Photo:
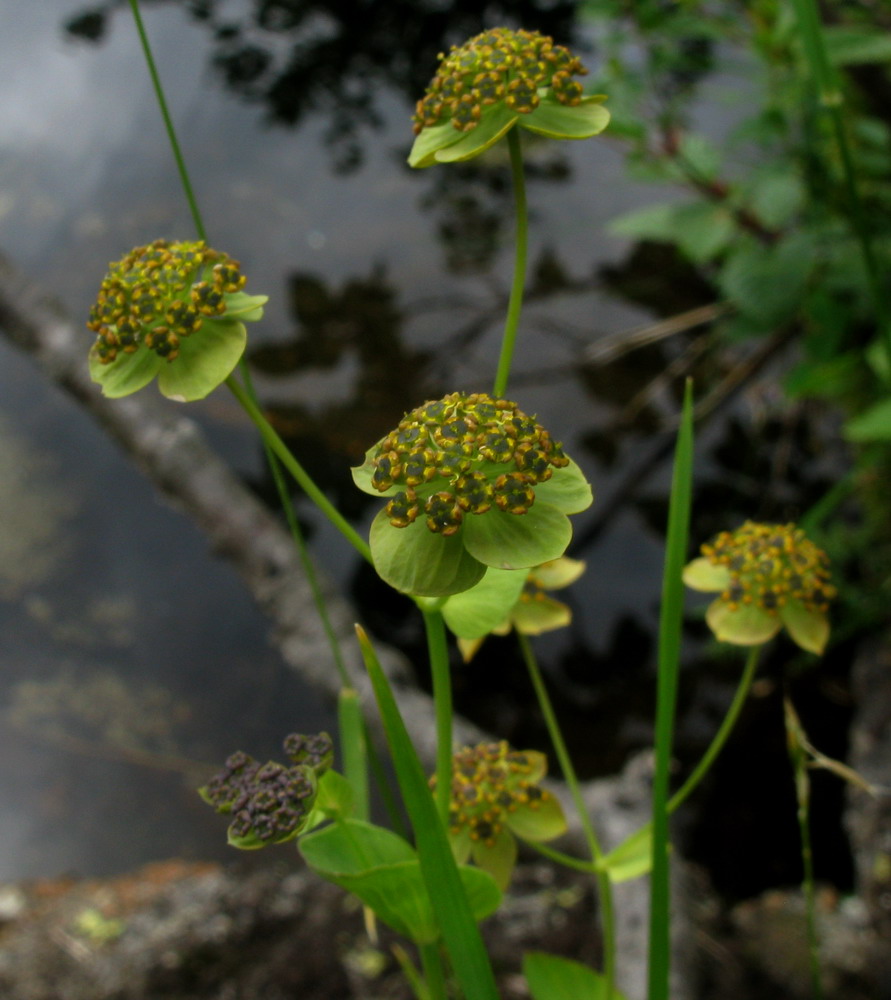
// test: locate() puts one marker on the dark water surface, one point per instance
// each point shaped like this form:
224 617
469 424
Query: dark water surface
123 643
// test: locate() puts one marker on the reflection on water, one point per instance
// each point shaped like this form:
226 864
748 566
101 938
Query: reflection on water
388 287
33 512
298 58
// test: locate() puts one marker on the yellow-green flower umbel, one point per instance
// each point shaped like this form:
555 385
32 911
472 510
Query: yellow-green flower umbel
495 81
768 577
473 483
175 310
495 799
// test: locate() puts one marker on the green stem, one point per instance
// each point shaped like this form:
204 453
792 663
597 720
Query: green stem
442 701
720 738
604 886
431 960
561 858
302 477
168 122
516 292
807 859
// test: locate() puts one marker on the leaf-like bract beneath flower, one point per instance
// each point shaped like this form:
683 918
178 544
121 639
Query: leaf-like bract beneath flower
809 629
745 625
494 124
418 561
567 490
473 613
206 359
518 541
702 574
561 121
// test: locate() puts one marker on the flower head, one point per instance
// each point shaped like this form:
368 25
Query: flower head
175 310
270 803
495 798
473 482
495 81
769 576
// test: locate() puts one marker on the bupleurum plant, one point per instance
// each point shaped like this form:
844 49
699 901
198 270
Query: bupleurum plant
495 798
473 483
768 577
498 80
270 803
172 310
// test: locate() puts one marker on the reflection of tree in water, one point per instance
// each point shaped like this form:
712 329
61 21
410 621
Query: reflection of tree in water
297 57
359 324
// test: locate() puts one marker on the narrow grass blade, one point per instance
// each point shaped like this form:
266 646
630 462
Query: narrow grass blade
669 664
460 933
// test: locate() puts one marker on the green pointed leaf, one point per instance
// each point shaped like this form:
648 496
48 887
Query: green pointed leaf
562 121
873 425
809 629
206 359
744 625
631 859
652 222
429 141
417 561
704 575
475 612
767 283
128 373
567 490
518 541
857 45
551 977
703 229
495 123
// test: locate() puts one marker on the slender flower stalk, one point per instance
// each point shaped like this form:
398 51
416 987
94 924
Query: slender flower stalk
515 304
168 122
604 886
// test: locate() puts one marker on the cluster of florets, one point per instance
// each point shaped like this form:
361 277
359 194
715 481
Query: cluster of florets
158 294
490 782
770 565
270 802
460 455
513 67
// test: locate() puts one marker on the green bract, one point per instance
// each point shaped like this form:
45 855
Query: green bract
768 576
175 310
495 798
496 80
506 599
473 483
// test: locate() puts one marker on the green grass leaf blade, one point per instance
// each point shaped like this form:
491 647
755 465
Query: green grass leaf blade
669 664
450 905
